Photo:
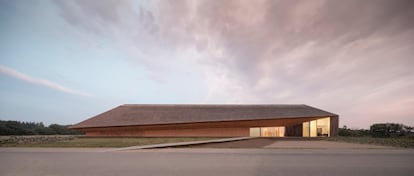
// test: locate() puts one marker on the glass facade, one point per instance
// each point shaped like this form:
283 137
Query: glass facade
312 129
268 132
305 129
255 132
323 127
316 128
272 131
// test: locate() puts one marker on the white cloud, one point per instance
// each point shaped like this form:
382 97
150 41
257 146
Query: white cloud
349 57
40 81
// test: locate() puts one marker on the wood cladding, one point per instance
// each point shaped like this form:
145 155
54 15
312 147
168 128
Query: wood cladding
206 129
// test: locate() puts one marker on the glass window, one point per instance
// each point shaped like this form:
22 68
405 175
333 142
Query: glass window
313 129
323 127
272 131
305 129
255 132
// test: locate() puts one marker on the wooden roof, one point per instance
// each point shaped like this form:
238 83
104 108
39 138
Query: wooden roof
142 114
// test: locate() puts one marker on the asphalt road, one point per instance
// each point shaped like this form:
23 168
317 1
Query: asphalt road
199 162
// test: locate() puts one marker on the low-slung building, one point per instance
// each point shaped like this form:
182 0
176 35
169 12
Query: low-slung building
211 121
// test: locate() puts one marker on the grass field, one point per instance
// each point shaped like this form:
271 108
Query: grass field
105 142
405 142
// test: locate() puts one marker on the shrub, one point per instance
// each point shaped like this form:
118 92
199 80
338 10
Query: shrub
33 128
353 132
389 130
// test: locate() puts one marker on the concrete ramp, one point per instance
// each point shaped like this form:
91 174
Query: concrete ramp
178 144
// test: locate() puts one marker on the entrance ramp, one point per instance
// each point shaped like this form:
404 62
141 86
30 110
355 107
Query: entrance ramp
177 144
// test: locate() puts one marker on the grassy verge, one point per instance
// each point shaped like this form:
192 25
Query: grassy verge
106 142
405 142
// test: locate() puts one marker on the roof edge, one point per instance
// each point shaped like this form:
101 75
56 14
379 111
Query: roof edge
322 110
74 126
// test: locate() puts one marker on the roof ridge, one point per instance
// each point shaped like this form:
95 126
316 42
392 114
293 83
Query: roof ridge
212 104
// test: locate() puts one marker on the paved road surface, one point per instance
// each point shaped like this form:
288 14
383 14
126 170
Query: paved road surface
289 143
199 162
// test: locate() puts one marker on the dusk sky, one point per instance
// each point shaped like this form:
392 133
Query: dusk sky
63 61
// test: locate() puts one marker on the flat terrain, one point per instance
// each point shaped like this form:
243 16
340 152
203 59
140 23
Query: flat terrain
321 145
115 142
405 142
289 143
202 161
105 142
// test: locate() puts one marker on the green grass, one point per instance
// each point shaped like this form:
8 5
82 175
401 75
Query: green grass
405 142
106 142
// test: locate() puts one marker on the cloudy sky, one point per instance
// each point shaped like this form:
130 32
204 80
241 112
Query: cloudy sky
63 61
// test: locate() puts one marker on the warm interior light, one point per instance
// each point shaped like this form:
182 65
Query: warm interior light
272 131
314 128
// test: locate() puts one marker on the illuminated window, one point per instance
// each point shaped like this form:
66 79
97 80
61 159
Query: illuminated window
272 131
305 129
255 132
323 127
314 128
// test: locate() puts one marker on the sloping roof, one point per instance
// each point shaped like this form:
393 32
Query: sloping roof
141 114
